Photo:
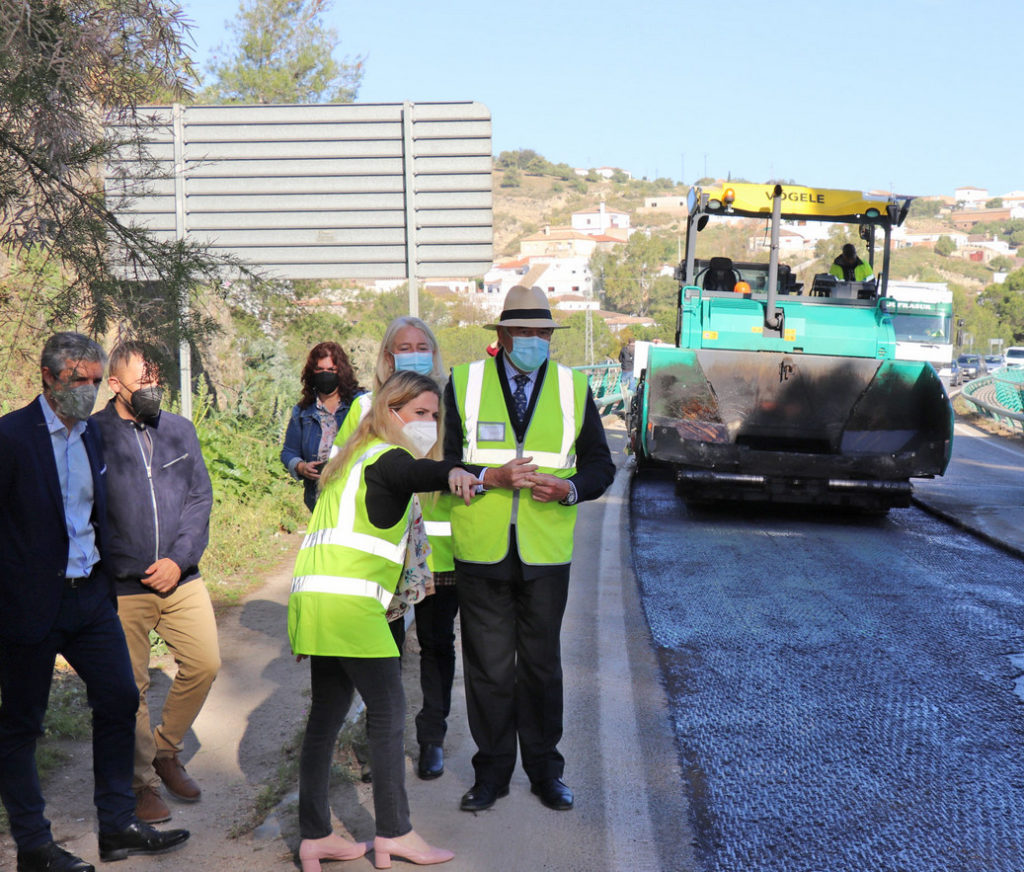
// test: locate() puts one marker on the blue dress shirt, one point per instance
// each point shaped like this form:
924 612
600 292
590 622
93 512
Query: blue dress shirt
76 488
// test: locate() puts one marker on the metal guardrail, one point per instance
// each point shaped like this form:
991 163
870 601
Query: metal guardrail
988 393
1010 389
611 394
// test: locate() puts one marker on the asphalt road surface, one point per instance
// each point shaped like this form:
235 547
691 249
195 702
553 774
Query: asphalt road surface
842 690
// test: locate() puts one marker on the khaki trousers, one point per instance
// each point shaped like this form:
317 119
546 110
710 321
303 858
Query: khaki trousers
184 620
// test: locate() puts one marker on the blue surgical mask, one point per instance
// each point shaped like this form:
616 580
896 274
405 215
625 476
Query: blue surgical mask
529 352
415 361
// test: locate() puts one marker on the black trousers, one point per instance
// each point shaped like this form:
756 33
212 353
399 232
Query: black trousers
379 682
89 635
511 628
435 629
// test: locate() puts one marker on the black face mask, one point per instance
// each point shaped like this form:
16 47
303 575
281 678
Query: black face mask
325 382
145 402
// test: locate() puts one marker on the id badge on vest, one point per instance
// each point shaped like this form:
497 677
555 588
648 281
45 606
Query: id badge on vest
490 431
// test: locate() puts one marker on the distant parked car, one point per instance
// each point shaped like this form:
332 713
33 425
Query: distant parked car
971 366
951 374
993 362
1014 357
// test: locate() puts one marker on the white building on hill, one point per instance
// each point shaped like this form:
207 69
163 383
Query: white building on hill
669 204
558 242
600 221
573 303
971 197
554 275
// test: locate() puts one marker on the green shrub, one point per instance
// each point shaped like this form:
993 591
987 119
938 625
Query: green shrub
255 502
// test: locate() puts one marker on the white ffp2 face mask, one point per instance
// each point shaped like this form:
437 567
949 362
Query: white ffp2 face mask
421 435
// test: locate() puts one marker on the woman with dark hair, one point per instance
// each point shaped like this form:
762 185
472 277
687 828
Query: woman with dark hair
328 389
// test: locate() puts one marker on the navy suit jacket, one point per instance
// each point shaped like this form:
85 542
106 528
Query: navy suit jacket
34 540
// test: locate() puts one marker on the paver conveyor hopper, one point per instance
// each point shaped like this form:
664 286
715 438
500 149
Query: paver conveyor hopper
776 392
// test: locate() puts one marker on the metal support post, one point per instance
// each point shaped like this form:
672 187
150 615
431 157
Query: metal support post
184 350
409 165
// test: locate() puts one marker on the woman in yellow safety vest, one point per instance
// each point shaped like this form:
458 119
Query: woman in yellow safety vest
409 344
348 570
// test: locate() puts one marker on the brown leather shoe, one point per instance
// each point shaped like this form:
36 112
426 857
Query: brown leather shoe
150 806
178 782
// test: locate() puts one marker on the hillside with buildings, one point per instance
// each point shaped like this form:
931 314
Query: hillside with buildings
546 233
553 229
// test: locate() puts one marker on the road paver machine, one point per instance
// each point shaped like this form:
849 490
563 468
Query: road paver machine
778 392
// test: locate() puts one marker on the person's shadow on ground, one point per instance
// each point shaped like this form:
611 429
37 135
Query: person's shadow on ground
283 714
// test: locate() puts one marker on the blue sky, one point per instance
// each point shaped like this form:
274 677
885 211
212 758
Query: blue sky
916 96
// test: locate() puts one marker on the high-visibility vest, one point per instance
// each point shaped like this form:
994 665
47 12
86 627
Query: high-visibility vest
435 511
358 410
861 272
437 524
544 531
347 570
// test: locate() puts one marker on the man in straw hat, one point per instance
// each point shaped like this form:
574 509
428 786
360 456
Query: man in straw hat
529 429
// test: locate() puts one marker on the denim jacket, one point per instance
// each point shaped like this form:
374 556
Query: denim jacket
302 442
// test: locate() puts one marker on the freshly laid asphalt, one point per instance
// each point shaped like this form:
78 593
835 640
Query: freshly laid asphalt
841 688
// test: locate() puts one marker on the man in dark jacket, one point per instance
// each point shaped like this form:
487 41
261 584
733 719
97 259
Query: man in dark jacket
159 501
56 597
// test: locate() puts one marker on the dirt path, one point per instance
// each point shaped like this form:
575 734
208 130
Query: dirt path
256 706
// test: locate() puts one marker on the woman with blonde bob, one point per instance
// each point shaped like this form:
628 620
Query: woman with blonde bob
363 539
409 345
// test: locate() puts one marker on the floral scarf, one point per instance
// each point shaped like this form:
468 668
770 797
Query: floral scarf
417 580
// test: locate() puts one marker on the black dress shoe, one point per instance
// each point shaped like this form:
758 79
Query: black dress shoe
52 858
140 838
431 763
553 793
482 796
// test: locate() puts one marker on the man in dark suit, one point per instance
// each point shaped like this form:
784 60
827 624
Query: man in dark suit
529 429
56 598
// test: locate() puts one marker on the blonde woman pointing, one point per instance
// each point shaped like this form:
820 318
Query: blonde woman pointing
348 569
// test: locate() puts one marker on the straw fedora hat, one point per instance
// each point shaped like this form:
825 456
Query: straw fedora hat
526 307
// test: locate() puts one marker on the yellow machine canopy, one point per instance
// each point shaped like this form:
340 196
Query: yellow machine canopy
818 204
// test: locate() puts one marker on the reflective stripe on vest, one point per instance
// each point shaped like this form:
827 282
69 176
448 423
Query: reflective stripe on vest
355 414
344 586
437 511
498 456
347 537
344 534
